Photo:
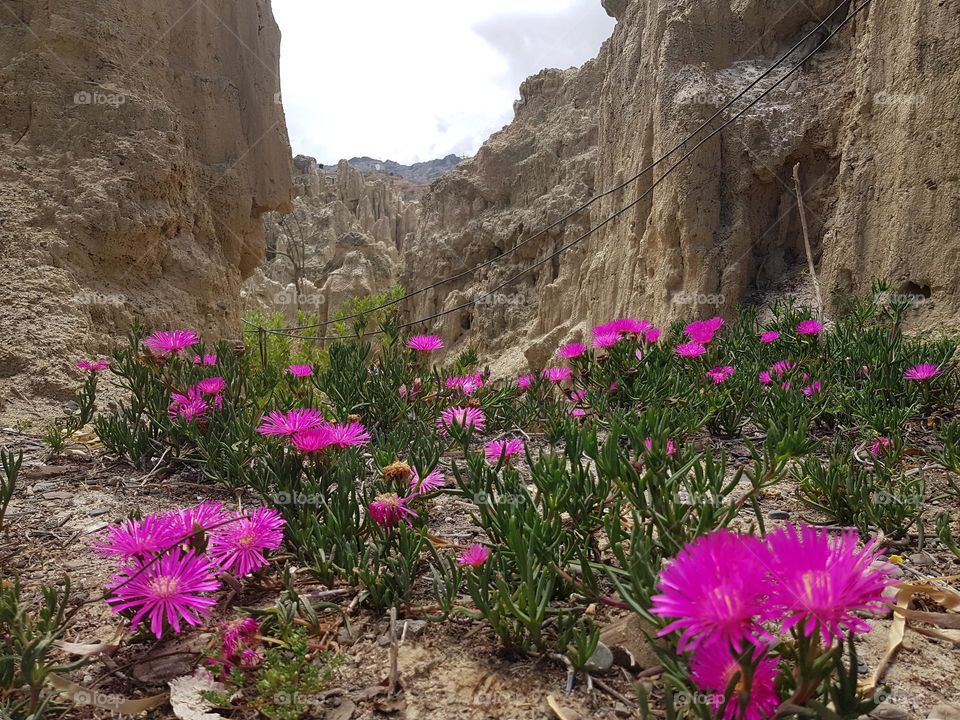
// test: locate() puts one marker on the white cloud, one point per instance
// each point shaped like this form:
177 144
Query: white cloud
419 79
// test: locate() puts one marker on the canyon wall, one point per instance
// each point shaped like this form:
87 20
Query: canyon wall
872 121
342 240
140 143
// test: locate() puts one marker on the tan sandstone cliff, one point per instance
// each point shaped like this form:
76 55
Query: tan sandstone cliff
342 240
140 144
872 120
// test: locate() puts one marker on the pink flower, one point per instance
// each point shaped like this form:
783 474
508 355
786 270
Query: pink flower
690 350
713 668
498 450
557 374
577 412
184 522
425 343
670 448
188 407
782 367
312 440
474 555
389 509
606 340
239 546
208 360
652 335
715 589
765 377
434 480
93 366
289 423
808 327
769 336
466 384
346 435
923 371
167 590
820 580
133 539
702 331
300 371
812 388
719 374
638 353
171 341
571 350
470 418
630 326
212 385
879 446
525 381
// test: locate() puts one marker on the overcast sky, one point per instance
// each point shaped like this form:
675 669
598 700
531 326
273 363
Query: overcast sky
419 79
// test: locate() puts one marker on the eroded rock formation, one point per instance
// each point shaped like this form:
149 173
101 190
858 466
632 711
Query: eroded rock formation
341 241
140 145
872 120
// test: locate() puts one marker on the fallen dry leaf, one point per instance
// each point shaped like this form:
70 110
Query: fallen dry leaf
185 697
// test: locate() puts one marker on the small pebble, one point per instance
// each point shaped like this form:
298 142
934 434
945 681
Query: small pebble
779 515
921 559
601 660
97 512
886 711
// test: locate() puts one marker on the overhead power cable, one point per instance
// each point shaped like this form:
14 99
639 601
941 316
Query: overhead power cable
606 221
291 331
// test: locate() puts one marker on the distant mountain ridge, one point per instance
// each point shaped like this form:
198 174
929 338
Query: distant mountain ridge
418 172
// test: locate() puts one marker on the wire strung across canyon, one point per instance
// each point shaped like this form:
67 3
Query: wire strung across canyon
293 331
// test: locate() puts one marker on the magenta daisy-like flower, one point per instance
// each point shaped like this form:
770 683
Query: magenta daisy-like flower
923 371
239 546
314 440
425 343
690 350
164 342
813 388
557 374
720 374
168 590
389 509
470 418
93 366
278 422
765 377
571 350
434 480
629 326
208 360
808 327
466 384
300 371
188 407
702 331
782 367
652 335
474 555
819 581
715 589
578 412
712 669
606 340
183 522
351 434
769 336
670 448
212 385
497 450
879 446
133 539
525 381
